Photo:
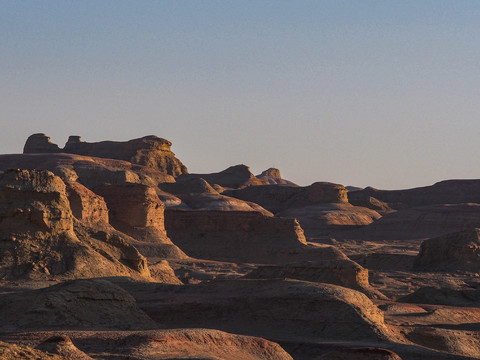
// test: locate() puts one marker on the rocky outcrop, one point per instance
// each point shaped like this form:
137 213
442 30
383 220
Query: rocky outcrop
307 311
76 304
241 236
40 237
40 143
192 344
457 251
235 177
276 198
62 345
150 151
89 171
87 206
372 203
197 194
10 351
272 176
136 210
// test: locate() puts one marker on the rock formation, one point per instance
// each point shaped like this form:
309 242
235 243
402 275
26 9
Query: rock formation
272 176
39 237
305 310
235 177
150 151
62 345
360 354
136 210
457 251
241 236
21 352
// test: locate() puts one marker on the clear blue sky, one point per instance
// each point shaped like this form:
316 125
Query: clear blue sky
381 93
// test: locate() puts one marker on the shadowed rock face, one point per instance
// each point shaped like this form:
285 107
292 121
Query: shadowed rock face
360 354
150 151
457 251
62 345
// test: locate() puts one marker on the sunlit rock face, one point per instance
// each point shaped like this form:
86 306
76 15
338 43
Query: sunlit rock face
150 151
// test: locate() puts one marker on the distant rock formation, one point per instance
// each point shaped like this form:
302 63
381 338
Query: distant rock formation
235 177
320 208
150 151
457 251
62 345
443 192
272 176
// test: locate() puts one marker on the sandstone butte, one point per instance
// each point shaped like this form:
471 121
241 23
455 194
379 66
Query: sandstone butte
113 250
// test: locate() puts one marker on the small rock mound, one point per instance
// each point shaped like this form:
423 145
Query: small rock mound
457 251
62 345
75 304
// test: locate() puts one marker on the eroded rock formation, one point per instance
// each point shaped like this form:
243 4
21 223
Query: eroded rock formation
150 151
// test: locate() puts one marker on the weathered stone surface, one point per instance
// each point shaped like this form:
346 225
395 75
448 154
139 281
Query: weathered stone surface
40 237
87 170
87 206
192 344
443 296
10 351
197 194
272 176
136 210
75 304
241 236
372 203
150 151
235 177
457 251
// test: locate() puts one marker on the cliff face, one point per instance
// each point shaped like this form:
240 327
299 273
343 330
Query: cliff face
150 151
40 236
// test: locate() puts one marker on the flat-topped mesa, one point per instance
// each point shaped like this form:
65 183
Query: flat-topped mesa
150 151
40 143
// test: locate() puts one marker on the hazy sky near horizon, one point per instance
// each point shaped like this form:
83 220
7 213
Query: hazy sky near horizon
380 93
